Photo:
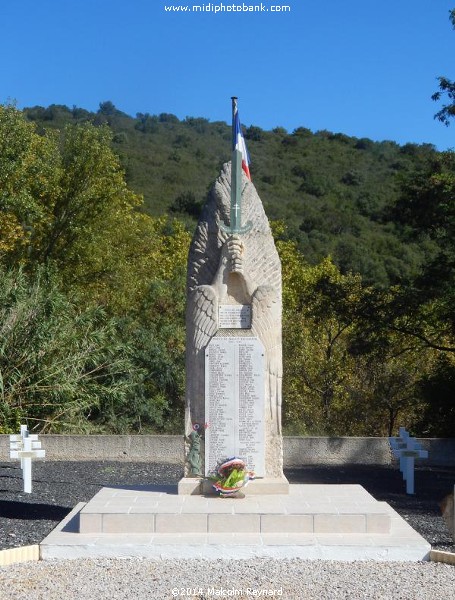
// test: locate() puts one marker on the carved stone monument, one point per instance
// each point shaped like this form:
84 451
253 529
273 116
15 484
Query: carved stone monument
233 349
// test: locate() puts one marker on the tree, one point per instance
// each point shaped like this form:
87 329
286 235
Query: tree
387 376
107 108
29 182
426 209
59 192
437 418
347 369
321 359
446 88
64 200
66 210
91 189
186 203
320 311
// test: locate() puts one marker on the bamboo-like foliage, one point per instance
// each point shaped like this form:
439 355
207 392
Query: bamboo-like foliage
58 364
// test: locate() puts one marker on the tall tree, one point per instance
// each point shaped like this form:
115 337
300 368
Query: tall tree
29 183
446 88
65 209
348 369
426 209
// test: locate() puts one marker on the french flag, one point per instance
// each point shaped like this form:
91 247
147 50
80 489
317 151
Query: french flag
239 141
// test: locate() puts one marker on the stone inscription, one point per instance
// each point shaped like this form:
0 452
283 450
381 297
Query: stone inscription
234 402
234 316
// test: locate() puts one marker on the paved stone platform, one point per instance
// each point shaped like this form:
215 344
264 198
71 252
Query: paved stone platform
306 509
339 522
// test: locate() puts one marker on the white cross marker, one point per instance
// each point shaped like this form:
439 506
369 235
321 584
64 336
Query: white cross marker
26 447
407 449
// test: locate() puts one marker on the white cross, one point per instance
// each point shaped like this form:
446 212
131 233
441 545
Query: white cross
407 449
26 447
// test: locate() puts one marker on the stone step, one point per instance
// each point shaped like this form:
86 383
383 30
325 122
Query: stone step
319 509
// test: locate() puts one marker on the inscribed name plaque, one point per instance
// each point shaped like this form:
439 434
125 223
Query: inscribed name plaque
234 402
234 316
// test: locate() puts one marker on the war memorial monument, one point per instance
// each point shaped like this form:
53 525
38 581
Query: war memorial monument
233 411
233 350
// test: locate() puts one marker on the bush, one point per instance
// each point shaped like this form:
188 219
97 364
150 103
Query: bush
57 364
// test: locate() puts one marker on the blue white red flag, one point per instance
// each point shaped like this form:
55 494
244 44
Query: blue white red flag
239 142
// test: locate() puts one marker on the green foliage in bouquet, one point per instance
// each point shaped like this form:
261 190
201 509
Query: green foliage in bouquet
234 479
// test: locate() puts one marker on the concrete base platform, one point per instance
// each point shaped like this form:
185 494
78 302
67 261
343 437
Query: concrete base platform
338 522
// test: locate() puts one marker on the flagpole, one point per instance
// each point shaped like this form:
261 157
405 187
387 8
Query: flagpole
234 109
235 226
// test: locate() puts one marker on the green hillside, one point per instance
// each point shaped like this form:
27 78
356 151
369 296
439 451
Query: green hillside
333 192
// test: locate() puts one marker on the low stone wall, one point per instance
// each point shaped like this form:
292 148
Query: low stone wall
150 448
336 451
441 451
361 451
298 451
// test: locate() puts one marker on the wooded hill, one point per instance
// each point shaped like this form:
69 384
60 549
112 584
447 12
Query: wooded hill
334 193
96 216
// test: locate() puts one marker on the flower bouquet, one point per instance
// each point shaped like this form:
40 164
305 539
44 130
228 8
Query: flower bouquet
230 476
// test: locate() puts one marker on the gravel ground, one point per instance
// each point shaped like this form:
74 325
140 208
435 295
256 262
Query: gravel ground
284 579
58 486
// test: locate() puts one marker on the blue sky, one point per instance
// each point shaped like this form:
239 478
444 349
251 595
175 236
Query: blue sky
362 67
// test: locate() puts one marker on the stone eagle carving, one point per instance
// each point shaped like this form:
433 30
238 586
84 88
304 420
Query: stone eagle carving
227 268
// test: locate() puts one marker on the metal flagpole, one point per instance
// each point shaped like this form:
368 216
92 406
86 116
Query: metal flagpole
236 183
